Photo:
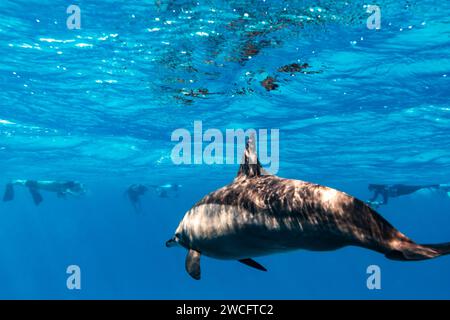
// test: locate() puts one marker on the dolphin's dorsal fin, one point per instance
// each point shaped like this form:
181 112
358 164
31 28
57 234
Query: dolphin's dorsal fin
250 165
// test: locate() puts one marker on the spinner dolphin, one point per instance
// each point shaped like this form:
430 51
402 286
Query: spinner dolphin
260 214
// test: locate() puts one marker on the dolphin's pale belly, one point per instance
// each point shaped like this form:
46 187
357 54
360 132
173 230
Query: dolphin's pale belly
231 232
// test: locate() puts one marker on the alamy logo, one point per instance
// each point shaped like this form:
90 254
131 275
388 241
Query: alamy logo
74 20
374 280
190 148
374 20
74 280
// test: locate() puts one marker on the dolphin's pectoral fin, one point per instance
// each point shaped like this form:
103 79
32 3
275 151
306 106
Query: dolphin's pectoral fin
252 263
9 192
250 166
193 264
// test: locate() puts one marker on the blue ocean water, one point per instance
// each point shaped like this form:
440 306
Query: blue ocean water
99 105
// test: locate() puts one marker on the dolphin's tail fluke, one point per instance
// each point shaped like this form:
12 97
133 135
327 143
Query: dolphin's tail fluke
410 251
441 248
9 192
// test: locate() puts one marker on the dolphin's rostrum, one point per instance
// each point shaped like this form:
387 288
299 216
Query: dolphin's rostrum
260 214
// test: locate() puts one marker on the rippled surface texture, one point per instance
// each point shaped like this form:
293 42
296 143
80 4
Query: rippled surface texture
99 105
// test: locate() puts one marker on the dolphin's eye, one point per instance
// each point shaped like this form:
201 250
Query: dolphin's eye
177 235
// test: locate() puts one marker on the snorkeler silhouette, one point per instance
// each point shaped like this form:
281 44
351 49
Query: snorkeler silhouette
136 191
61 188
397 190
166 190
